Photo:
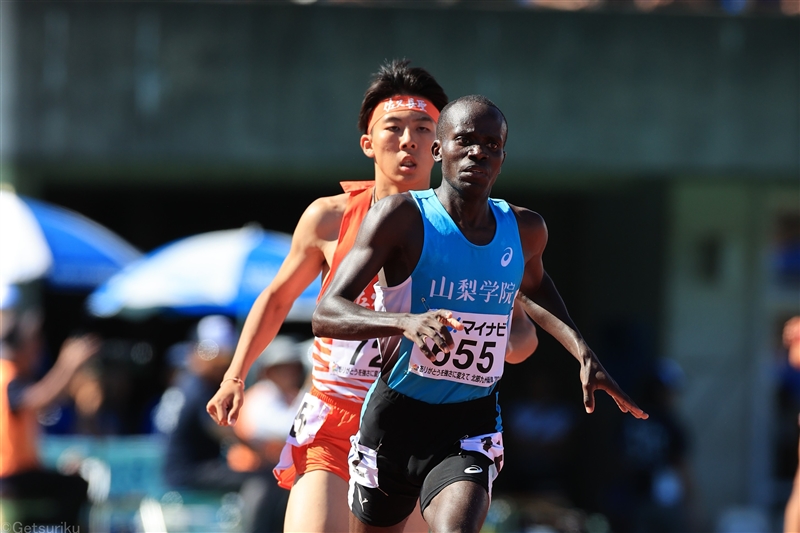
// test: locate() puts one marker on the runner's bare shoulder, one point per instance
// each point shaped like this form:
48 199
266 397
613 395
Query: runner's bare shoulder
532 230
321 220
528 220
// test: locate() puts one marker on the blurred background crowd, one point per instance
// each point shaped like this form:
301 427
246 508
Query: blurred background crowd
154 158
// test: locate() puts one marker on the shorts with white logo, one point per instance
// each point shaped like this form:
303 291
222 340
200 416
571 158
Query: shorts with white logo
407 449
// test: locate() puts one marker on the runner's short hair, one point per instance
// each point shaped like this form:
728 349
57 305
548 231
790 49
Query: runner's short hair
470 98
395 78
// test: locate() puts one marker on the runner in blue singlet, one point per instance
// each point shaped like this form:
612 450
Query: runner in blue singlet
450 263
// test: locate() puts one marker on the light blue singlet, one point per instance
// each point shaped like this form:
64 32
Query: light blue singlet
477 283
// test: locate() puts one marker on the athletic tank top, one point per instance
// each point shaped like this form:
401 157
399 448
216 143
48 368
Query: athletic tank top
346 369
478 284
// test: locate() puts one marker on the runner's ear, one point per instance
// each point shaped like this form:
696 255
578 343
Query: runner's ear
366 146
436 150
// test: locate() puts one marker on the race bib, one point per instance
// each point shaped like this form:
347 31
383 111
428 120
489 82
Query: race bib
363 463
355 359
309 419
479 355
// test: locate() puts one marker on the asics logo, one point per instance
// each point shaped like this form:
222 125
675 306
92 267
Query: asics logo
506 259
474 469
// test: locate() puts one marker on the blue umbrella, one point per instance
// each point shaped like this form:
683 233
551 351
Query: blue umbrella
219 272
67 249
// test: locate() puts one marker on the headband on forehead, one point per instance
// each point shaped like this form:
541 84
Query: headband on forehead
402 103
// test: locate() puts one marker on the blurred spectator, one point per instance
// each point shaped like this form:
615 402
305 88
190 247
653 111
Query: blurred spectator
194 451
53 497
787 403
164 415
85 409
790 7
788 369
563 5
267 414
653 493
195 458
92 415
791 339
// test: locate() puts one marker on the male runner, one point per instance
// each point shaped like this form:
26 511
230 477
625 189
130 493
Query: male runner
451 261
398 121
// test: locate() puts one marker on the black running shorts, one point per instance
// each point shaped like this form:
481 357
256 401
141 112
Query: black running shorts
408 449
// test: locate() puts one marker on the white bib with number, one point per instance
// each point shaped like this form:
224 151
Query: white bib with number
309 419
355 359
478 357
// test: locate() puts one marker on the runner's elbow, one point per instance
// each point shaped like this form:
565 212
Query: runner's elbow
322 321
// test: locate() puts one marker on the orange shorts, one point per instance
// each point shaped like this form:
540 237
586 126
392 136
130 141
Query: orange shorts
330 447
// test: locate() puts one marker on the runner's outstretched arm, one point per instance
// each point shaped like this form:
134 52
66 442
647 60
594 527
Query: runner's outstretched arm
543 303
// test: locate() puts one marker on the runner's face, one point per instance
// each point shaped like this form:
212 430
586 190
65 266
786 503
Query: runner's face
471 149
400 143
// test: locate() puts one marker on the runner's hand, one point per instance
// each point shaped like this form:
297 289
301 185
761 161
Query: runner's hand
225 405
432 325
594 377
